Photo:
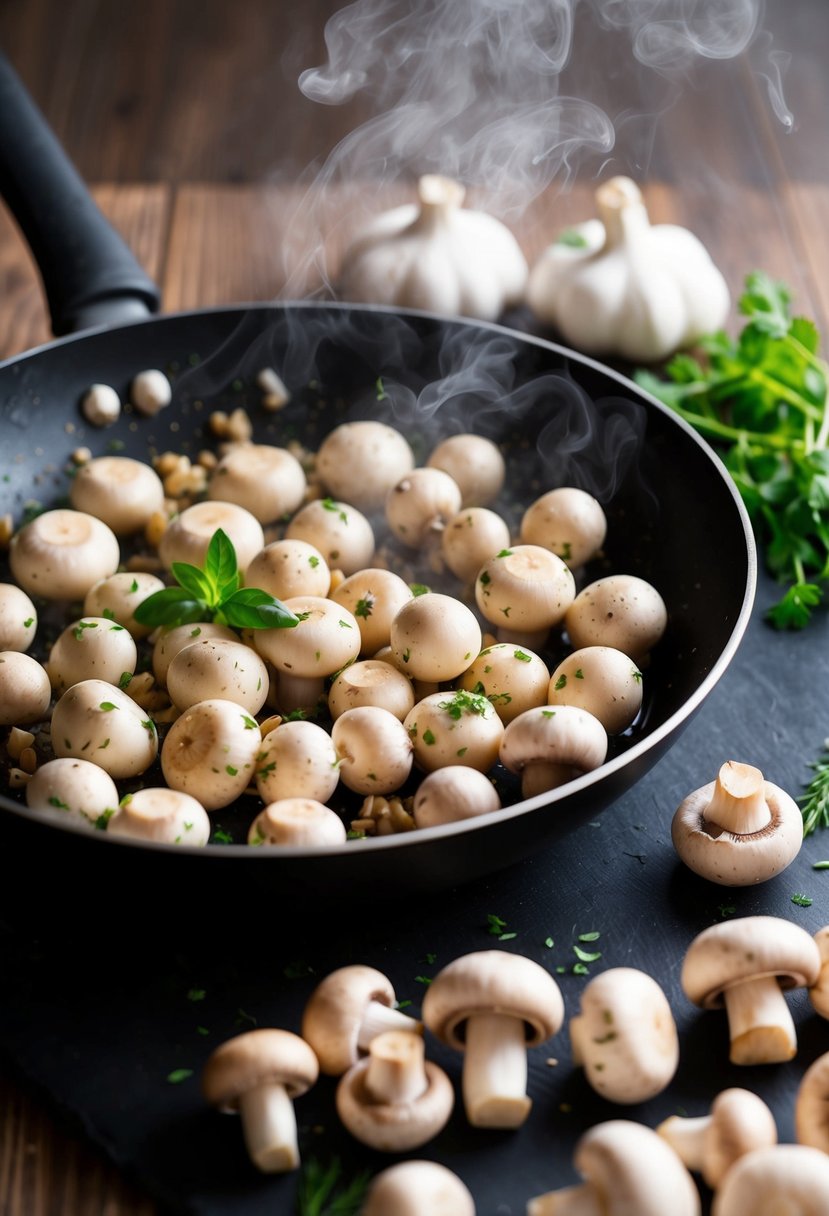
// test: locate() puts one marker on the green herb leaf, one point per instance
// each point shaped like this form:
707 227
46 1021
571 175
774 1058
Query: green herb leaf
194 580
172 606
802 901
220 565
572 238
322 1190
178 1075
251 608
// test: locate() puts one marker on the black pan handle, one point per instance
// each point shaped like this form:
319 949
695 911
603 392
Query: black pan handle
89 274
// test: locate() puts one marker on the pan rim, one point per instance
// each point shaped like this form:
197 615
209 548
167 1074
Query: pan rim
581 784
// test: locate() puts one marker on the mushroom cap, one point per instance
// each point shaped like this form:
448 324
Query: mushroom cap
287 568
812 1105
419 505
524 588
60 554
267 481
371 682
475 463
434 637
259 1057
210 752
418 1188
819 992
374 597
737 859
454 728
621 611
189 535
25 691
602 680
561 736
297 822
119 595
18 618
568 521
123 492
750 947
395 1127
493 981
513 678
470 538
635 1172
789 1178
740 1122
628 1040
76 791
361 461
296 760
374 750
161 814
170 641
450 794
335 1010
326 638
341 533
91 648
94 720
215 667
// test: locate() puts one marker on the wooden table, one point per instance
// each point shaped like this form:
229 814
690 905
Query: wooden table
722 166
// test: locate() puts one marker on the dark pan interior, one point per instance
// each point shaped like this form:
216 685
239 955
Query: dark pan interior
673 518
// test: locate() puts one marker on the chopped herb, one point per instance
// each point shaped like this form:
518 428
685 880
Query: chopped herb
242 1018
637 675
27 624
59 803
572 238
102 746
423 979
107 706
580 969
222 836
407 654
578 673
194 633
802 901
313 561
178 1075
431 959
821 865
196 994
463 702
484 579
345 625
504 553
104 818
461 751
330 505
587 956
726 910
496 927
382 395
297 970
266 769
419 589
149 725
589 937
202 1030
549 943
365 607
522 656
428 738
126 677
109 615
250 723
81 625
231 771
561 682
352 835
322 1191
134 586
548 713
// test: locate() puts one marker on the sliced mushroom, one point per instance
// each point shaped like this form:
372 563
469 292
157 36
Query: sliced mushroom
739 829
744 964
346 1011
739 1123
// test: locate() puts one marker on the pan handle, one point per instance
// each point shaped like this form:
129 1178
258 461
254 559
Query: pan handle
89 274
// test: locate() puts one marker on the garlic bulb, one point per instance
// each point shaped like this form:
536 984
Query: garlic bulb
620 286
436 256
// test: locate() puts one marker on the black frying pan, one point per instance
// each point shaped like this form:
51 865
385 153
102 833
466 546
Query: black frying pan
674 516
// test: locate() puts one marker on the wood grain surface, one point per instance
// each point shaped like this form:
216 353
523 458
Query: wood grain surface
186 118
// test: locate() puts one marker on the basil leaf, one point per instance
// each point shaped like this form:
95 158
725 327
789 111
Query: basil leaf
193 580
252 608
172 606
221 567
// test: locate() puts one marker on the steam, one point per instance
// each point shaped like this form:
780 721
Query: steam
510 97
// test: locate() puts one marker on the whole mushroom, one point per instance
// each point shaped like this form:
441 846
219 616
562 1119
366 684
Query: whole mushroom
739 1123
811 1105
74 791
162 815
266 481
373 748
819 991
524 589
549 747
745 964
210 752
297 822
417 1188
94 720
18 618
122 492
420 505
170 641
325 640
625 1036
470 538
25 691
568 522
60 554
340 532
372 682
787 1178
118 596
258 1075
474 463
359 462
288 568
628 1171
454 728
449 795
434 637
211 668
188 536
493 1005
297 760
346 1011
739 829
621 611
91 648
373 597
513 678
601 680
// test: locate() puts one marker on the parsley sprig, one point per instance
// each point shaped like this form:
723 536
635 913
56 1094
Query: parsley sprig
814 804
213 592
317 1186
762 399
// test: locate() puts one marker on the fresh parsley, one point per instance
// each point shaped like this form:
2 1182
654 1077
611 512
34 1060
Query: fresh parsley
322 1190
763 400
814 804
213 592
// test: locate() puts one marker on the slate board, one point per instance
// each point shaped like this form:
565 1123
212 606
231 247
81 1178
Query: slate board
97 1017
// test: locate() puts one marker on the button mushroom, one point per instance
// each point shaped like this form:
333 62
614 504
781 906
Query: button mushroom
96 721
75 791
118 596
25 691
170 641
348 1009
739 1123
524 589
373 748
493 1006
549 747
91 648
621 611
811 1104
373 597
420 505
150 391
454 728
210 752
124 493
214 668
625 1036
819 991
60 554
395 1100
372 682
449 795
629 1171
417 1188
788 1178
512 678
601 680
470 538
739 829
258 1075
190 533
297 760
475 463
325 640
342 534
568 522
165 816
434 637
267 481
298 822
18 618
744 964
361 461
288 568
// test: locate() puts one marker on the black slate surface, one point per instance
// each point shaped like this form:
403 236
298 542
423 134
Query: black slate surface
97 1016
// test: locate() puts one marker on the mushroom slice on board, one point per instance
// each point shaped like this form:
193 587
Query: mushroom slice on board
811 1111
788 1178
493 1006
348 1009
258 1075
625 1036
739 829
628 1171
739 1122
744 964
417 1188
395 1100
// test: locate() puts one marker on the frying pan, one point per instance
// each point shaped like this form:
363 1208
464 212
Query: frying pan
674 516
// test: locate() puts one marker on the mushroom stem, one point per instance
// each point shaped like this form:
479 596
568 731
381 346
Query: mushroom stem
269 1126
686 1137
738 803
581 1200
759 1022
378 1018
396 1073
495 1071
